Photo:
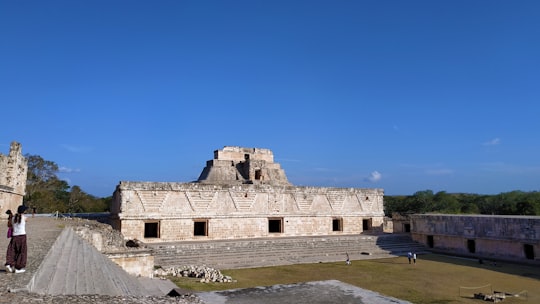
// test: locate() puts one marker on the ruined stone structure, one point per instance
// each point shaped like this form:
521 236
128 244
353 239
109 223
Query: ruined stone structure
13 169
401 223
241 193
481 236
236 165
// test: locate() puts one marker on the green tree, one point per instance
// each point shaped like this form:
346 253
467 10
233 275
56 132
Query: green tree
393 204
44 191
98 204
76 199
469 208
47 193
445 203
525 208
41 174
422 201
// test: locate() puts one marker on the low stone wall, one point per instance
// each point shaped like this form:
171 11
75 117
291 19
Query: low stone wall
138 263
137 260
504 237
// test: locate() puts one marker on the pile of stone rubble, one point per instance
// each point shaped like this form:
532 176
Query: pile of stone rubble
206 274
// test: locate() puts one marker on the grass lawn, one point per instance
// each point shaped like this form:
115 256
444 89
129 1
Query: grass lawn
434 279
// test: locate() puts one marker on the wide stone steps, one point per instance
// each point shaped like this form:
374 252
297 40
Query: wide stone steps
73 266
227 254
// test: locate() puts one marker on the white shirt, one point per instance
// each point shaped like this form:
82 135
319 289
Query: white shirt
19 228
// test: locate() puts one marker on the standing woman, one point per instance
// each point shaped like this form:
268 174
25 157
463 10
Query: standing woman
17 250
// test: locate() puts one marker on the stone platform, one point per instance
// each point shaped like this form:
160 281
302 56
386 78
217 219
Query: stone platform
62 268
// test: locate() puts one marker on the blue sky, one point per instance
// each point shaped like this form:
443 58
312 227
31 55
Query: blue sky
400 95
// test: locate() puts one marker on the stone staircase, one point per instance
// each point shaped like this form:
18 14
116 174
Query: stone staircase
247 253
74 267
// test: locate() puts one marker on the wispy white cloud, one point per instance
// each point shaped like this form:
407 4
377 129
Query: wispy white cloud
493 142
374 176
68 170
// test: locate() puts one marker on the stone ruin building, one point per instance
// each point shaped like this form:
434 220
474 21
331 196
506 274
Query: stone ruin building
13 169
235 165
480 236
241 193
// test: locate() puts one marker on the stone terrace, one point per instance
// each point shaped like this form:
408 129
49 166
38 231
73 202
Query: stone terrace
248 253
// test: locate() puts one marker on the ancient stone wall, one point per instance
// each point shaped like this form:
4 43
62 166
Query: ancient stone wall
242 211
238 154
13 169
400 223
138 263
512 237
237 165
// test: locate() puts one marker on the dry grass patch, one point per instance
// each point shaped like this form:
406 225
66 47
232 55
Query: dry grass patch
435 279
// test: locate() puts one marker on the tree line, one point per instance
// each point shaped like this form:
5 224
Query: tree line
507 203
47 193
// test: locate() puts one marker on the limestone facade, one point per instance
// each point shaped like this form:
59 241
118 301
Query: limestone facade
237 165
400 223
13 169
138 263
242 193
504 237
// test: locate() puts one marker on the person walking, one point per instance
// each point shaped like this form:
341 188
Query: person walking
17 250
409 256
414 257
10 228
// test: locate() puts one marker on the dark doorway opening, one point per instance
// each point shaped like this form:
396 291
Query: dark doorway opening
471 245
529 251
258 174
200 228
151 230
337 224
430 241
407 227
366 225
275 225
